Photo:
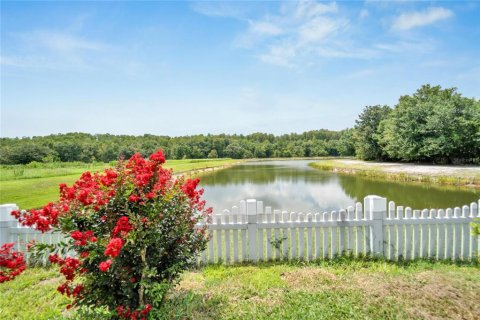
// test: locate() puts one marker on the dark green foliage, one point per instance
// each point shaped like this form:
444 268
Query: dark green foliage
433 125
105 147
367 145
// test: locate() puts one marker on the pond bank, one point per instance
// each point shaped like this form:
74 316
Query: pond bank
206 170
465 176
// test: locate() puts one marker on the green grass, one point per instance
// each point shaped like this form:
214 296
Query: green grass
39 185
44 170
327 289
370 170
32 295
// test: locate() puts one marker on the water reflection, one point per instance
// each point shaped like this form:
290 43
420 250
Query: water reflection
294 186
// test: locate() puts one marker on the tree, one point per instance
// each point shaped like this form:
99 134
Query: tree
235 151
433 125
213 154
345 145
366 136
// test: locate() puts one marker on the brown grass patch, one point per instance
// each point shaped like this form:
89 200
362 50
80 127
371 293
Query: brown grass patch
426 295
308 278
192 281
51 281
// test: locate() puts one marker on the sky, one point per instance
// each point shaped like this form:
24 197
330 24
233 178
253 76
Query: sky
183 68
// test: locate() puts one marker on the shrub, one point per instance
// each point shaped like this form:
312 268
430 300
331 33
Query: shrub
133 231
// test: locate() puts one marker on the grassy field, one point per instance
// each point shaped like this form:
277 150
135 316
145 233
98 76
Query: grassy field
338 289
468 176
33 186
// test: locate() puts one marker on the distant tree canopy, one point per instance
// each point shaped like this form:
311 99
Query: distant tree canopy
433 125
106 147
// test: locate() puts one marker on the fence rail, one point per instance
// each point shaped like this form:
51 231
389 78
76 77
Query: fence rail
252 232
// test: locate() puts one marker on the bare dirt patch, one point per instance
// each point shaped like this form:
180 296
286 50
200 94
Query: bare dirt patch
191 282
50 281
308 278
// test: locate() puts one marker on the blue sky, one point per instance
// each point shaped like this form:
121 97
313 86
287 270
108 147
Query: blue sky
182 68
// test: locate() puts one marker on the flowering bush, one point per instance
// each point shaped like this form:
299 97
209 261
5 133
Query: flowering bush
132 229
11 263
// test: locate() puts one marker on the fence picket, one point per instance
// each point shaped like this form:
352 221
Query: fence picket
408 234
301 237
432 233
473 252
334 237
465 234
400 254
457 246
293 237
318 240
423 234
309 218
448 234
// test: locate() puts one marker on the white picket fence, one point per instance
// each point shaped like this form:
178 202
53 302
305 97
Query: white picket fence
252 232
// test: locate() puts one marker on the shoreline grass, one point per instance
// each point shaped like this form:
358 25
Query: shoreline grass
377 173
33 192
325 289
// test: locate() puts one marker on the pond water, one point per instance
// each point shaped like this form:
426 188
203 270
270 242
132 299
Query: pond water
294 186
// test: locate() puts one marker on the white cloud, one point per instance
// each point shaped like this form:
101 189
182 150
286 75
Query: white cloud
219 9
54 49
265 28
410 20
308 8
304 33
364 14
61 42
299 29
282 55
318 29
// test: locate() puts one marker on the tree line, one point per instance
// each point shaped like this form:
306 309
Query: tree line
433 125
106 147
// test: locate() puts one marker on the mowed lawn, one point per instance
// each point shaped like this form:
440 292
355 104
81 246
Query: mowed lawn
338 289
33 187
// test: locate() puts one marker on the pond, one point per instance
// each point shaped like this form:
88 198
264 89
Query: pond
294 186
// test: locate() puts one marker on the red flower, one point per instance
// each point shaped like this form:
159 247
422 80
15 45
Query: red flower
54 258
105 265
84 254
122 226
76 235
77 290
189 187
42 219
114 247
158 157
11 263
69 267
150 195
82 237
30 244
133 198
